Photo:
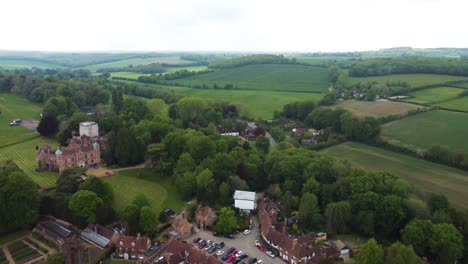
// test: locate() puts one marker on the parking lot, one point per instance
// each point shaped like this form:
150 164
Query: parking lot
241 242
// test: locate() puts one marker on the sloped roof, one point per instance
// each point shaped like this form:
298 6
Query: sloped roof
244 195
95 237
62 231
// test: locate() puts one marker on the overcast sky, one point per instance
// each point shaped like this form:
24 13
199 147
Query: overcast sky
238 25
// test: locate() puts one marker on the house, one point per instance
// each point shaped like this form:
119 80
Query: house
133 248
344 250
205 217
176 252
180 227
99 236
81 152
244 200
291 250
90 129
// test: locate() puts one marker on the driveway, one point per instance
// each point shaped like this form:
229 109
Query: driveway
241 242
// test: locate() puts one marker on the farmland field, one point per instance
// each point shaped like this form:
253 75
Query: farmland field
415 80
129 75
376 108
24 155
175 60
423 175
256 104
428 96
17 63
268 77
160 190
422 131
456 104
16 107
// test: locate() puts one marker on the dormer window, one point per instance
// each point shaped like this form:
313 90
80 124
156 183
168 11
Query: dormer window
133 244
121 243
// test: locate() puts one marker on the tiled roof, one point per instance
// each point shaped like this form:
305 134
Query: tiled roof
60 230
177 251
94 237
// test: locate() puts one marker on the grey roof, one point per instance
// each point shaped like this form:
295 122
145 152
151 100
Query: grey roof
174 233
95 237
87 123
244 195
62 231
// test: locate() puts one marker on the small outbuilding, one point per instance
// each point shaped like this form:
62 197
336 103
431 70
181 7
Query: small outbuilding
244 200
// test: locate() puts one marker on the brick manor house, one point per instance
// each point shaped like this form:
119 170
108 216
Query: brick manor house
82 151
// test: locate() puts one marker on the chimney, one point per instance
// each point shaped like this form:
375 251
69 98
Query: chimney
183 214
294 243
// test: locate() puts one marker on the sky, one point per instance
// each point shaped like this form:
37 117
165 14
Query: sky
224 25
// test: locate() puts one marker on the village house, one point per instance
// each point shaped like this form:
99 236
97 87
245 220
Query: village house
245 200
132 248
81 152
180 227
176 252
291 250
205 217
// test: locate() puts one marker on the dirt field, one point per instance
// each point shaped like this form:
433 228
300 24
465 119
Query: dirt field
379 108
30 124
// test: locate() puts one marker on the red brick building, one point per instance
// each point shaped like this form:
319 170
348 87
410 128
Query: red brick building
130 247
205 217
81 152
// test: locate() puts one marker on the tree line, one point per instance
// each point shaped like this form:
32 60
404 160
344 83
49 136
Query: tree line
251 59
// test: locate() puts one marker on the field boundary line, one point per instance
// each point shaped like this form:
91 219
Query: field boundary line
16 143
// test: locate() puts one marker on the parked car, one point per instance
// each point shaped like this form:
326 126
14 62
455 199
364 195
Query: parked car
261 247
202 245
220 245
269 253
200 241
237 260
16 122
246 232
212 249
225 256
256 242
243 256
230 236
234 252
231 259
239 253
196 240
253 261
219 253
208 246
259 261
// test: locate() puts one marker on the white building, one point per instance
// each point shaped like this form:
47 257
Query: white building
89 129
244 200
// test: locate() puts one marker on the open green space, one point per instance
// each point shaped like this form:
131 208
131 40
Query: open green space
268 77
460 104
174 60
255 104
19 63
379 108
16 107
24 155
188 68
160 190
429 96
129 75
424 130
415 80
423 175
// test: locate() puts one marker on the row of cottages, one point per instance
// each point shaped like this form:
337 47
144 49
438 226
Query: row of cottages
176 252
296 250
96 240
81 152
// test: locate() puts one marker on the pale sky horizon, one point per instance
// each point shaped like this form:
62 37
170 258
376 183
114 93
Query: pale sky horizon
225 25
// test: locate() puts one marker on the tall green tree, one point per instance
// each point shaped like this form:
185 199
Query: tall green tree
148 219
84 204
48 126
56 258
98 186
370 253
309 212
338 215
262 144
117 100
227 221
399 253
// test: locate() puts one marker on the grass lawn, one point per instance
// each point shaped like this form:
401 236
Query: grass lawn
423 175
16 107
160 190
138 61
188 68
376 108
424 130
456 104
267 77
432 95
24 155
17 63
415 80
130 75
8 238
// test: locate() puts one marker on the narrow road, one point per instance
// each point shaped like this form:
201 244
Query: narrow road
272 140
7 254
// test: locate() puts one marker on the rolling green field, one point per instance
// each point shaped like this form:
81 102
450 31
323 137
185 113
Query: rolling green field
16 107
424 130
16 63
375 108
415 80
24 155
175 60
255 104
188 68
267 77
129 75
160 190
422 175
456 104
429 96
